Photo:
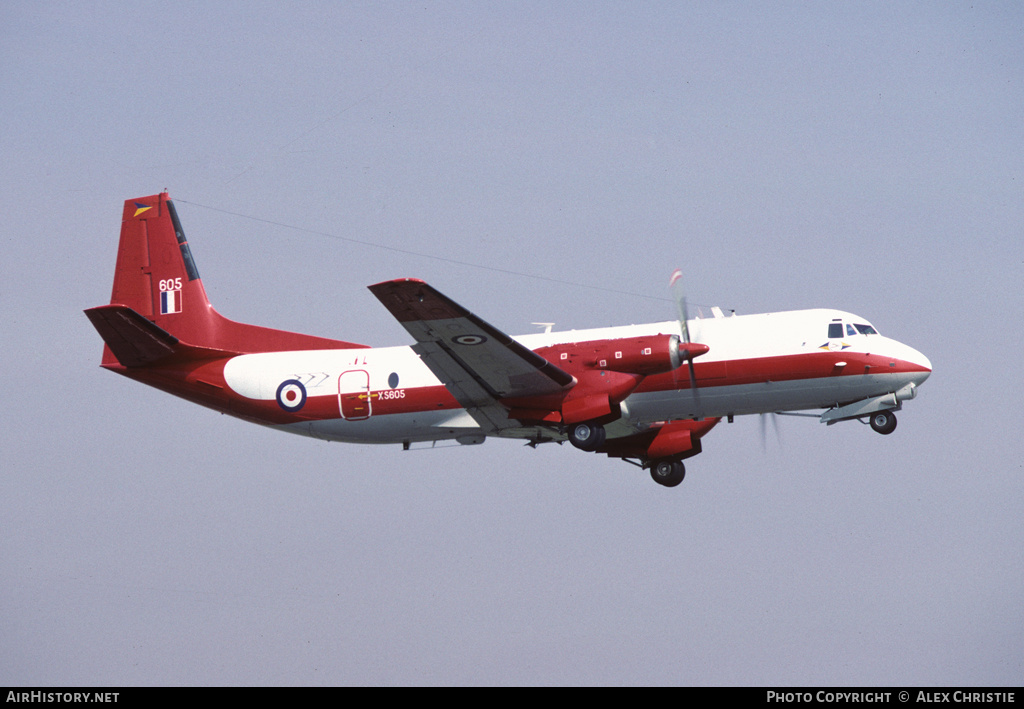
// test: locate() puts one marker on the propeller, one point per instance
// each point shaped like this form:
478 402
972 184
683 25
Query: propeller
675 284
764 433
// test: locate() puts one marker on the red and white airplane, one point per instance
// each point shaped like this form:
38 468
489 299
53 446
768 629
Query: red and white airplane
644 393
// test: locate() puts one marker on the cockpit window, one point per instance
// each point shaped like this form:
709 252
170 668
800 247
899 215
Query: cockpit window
835 330
866 329
849 330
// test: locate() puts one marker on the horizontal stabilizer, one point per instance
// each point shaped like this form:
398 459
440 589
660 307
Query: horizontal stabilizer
136 341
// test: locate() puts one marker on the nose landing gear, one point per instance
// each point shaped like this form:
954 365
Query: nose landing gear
883 422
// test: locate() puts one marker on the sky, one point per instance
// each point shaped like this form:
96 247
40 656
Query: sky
537 162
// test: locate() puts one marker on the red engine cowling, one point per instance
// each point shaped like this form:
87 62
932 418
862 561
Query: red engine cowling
606 372
649 354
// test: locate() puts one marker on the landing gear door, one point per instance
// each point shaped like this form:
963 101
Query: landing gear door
354 395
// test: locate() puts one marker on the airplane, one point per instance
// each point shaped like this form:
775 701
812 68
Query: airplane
646 394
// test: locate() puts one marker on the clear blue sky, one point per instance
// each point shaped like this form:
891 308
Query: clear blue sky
866 156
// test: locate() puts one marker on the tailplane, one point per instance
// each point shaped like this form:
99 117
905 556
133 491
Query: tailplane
162 307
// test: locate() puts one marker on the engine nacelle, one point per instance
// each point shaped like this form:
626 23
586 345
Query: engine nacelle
671 439
606 372
648 354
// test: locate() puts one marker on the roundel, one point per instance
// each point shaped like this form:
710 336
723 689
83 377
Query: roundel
291 395
469 339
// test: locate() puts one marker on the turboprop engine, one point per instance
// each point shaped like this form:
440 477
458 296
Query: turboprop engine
653 354
606 372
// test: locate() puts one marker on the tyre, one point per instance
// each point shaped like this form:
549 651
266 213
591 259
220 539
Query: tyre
668 472
883 422
586 436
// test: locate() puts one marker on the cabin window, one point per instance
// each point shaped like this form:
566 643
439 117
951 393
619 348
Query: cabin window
835 330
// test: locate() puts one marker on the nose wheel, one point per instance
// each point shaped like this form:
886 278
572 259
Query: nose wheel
883 422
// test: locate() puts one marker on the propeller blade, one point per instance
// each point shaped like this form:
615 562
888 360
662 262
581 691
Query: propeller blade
764 430
675 284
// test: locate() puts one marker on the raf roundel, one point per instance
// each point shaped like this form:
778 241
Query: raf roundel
469 339
291 395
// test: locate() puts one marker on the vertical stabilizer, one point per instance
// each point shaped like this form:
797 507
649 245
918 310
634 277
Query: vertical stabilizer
156 277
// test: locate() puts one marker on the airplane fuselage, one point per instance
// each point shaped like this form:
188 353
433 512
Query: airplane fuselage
756 364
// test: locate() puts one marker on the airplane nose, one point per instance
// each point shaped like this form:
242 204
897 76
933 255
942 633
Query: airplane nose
921 361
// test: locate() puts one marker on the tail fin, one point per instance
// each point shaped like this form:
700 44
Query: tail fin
156 277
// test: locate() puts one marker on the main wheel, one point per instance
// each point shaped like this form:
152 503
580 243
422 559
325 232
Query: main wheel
883 422
587 436
668 472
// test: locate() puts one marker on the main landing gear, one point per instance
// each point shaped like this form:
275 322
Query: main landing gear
883 422
586 436
591 436
668 472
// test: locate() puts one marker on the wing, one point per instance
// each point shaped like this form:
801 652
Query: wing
478 363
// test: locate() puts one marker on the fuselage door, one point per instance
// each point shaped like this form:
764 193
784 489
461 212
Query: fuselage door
354 395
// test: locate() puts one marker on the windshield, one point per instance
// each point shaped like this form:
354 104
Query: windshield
865 329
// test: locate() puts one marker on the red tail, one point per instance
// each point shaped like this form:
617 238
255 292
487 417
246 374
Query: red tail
157 278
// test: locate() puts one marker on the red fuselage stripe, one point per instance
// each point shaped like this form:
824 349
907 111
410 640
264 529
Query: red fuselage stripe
204 383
